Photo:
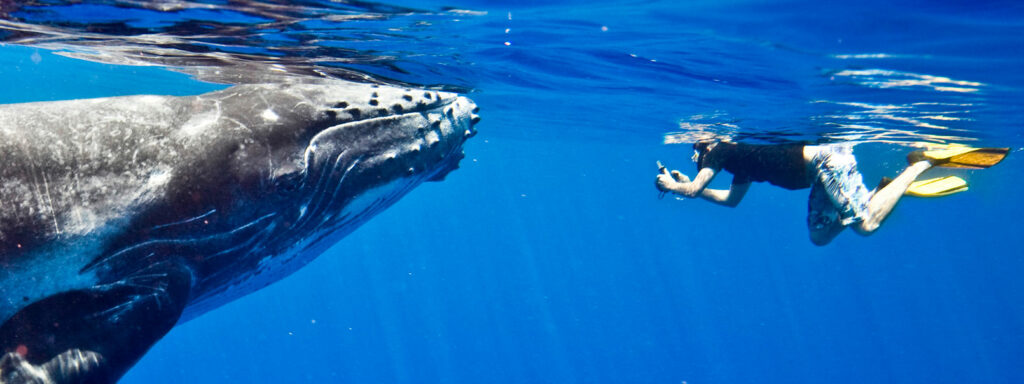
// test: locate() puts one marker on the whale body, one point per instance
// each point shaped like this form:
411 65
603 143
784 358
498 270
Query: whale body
121 217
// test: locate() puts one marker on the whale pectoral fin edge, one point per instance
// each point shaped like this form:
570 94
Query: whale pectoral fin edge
93 335
72 366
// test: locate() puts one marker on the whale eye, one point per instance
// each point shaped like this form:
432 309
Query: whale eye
287 183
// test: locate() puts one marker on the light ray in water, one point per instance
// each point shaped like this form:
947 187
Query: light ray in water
882 78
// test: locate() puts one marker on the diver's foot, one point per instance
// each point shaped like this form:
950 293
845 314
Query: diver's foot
919 156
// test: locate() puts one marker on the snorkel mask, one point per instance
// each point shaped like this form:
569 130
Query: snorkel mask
700 151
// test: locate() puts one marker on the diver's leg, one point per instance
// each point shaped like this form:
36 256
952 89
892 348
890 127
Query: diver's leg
93 335
836 177
885 199
823 222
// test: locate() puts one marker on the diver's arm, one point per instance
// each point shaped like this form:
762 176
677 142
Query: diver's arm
728 197
678 183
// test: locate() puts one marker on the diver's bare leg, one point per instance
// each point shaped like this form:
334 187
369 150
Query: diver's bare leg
885 199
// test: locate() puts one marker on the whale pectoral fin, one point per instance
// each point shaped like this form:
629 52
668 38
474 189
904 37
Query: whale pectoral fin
72 366
95 334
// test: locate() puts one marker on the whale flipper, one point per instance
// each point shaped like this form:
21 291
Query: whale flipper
74 366
96 334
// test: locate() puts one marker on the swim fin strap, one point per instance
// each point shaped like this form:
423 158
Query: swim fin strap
939 186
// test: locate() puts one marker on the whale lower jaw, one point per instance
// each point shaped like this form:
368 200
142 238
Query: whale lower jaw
274 268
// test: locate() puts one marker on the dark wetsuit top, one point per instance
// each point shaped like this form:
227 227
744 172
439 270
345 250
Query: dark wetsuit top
779 164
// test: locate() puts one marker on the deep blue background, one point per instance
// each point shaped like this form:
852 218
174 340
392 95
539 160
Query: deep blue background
549 259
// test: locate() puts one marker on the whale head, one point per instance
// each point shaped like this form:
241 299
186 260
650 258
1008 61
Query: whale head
313 148
376 144
335 154
315 161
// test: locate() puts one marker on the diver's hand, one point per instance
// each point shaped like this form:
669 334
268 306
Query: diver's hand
659 183
665 182
680 177
669 181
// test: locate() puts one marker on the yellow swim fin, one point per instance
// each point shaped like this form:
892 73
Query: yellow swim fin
960 156
939 186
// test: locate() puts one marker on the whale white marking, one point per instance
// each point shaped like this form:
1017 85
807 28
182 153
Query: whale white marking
199 123
186 221
269 115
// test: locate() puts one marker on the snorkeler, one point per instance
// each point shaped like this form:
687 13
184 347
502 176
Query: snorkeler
839 198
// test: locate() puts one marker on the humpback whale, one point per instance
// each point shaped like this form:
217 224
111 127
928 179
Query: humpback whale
121 217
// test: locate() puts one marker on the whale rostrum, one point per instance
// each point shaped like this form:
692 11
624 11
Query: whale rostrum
121 217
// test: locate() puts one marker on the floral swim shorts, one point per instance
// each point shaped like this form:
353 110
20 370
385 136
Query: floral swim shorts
838 192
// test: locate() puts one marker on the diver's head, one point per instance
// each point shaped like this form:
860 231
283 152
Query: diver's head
701 149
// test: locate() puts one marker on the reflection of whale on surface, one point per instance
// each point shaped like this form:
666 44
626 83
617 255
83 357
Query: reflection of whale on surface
120 217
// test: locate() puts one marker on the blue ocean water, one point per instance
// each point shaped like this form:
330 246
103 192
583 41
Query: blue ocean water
548 257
